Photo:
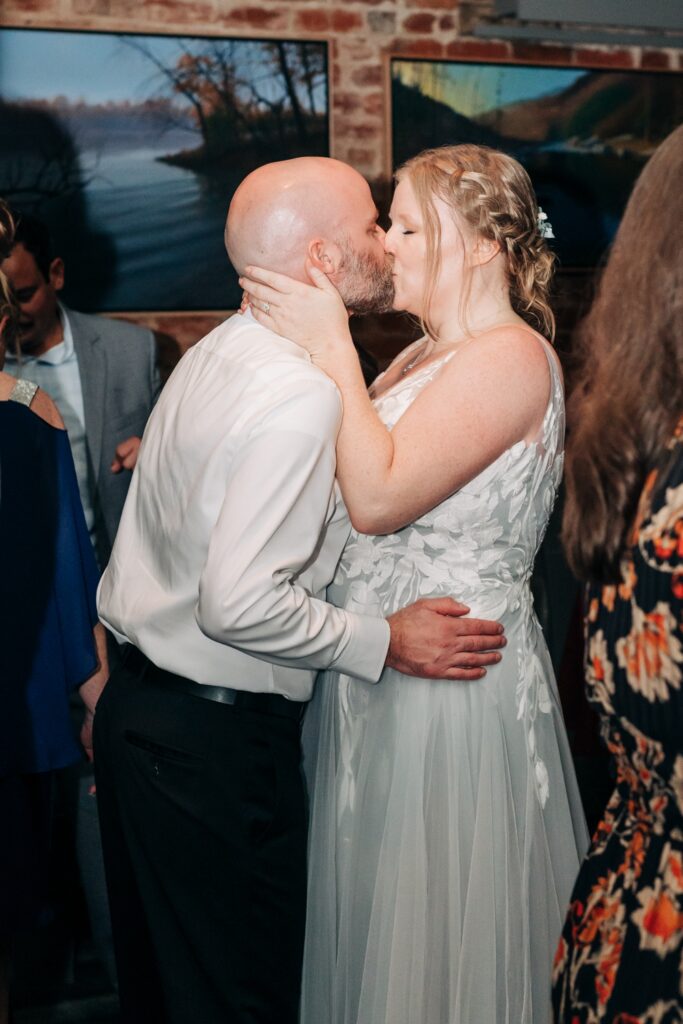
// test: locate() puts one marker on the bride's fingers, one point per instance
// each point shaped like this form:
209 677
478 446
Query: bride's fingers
319 278
280 282
262 315
260 291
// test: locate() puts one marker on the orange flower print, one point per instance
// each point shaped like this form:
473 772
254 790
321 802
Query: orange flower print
651 654
603 914
643 504
593 609
634 857
660 916
608 964
609 594
677 781
677 585
629 580
665 530
599 671
560 959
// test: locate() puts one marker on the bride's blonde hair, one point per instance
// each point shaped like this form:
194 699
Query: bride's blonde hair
493 195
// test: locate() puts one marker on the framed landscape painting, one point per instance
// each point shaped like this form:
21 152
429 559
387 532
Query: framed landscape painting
583 135
131 146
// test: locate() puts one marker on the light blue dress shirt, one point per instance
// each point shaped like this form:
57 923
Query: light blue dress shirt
57 373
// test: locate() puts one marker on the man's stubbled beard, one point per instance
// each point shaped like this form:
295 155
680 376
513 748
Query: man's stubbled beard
365 285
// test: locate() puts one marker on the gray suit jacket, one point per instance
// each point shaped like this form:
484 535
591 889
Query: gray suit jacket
120 383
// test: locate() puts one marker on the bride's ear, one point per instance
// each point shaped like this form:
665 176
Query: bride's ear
325 255
483 251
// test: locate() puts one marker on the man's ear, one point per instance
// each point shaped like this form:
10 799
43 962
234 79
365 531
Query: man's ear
325 255
56 274
483 251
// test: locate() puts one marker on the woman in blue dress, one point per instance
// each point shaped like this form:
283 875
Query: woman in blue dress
50 640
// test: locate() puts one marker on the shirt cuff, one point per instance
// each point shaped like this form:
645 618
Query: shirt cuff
366 650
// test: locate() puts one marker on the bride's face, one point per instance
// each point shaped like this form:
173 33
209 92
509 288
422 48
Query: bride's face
406 242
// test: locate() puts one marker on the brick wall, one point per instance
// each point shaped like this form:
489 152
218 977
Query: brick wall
362 34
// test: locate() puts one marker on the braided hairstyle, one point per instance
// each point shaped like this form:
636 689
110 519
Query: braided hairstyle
8 305
492 194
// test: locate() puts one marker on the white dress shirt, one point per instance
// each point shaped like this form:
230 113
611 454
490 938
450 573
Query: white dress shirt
56 372
232 527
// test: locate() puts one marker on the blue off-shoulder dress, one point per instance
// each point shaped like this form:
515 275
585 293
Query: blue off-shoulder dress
48 580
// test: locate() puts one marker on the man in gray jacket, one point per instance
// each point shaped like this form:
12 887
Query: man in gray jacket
101 373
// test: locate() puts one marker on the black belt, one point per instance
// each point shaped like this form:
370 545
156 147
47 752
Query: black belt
265 703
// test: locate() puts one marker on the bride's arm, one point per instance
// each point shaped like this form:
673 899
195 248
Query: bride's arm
490 395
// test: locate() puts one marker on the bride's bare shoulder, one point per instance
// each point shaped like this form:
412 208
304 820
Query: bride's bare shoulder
511 348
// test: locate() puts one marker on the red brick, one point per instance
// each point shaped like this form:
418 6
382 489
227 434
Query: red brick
355 50
537 53
419 48
369 74
364 131
475 49
179 11
591 57
434 5
344 129
22 7
447 23
359 156
346 21
373 103
315 20
255 17
655 60
422 23
346 102
78 6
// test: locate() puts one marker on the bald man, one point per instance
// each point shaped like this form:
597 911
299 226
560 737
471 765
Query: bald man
230 534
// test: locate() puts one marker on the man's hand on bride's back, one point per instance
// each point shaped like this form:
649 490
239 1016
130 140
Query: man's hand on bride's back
434 639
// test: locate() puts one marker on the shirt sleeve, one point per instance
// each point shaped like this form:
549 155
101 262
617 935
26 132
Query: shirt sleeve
268 531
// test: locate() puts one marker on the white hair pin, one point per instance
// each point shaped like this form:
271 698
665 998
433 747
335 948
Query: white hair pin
545 228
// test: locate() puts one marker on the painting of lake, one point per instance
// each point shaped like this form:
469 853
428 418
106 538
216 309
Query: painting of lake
583 135
131 146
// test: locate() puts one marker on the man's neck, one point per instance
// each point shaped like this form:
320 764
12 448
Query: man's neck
54 337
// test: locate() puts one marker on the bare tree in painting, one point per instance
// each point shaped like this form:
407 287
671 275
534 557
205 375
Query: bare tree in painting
242 93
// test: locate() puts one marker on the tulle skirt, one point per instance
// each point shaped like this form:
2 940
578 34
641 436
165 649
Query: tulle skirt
442 857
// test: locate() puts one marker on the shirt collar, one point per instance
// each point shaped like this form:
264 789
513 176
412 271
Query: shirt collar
277 339
58 354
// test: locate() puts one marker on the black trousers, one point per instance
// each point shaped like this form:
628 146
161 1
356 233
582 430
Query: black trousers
203 821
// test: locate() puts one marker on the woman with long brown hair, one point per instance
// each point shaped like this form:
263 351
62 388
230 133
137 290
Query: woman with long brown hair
621 954
446 829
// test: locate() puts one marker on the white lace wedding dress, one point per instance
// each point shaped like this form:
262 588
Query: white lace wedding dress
446 826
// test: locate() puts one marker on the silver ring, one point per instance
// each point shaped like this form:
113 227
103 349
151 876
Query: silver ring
266 307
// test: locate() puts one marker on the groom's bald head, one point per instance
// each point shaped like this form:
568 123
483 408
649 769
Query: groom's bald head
316 208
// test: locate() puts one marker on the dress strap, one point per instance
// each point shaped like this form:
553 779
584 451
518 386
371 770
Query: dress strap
23 392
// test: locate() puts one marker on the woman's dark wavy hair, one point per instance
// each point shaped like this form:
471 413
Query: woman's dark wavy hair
629 386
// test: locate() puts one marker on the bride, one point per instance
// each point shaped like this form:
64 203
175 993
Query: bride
446 827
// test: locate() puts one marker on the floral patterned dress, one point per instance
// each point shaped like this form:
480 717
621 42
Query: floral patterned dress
620 958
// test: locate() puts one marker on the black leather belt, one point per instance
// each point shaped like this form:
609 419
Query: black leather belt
264 703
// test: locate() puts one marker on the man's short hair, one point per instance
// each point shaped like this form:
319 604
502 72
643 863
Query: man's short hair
35 237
